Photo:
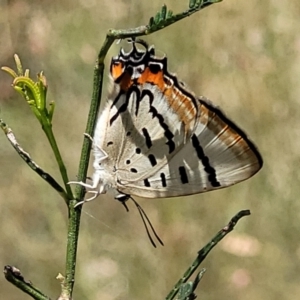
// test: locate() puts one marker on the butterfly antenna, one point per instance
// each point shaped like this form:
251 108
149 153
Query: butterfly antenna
125 205
146 220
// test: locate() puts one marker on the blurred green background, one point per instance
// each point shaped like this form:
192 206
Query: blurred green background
245 57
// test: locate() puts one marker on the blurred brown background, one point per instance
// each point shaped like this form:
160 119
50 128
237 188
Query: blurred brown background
245 57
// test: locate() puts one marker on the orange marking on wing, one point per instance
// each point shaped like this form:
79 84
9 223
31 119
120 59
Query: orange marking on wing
126 82
117 70
180 103
225 133
156 79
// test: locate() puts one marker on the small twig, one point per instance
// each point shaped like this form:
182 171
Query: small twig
35 94
14 276
186 290
64 290
162 19
34 166
205 250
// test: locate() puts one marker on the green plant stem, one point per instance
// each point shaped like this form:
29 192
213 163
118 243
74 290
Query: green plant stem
14 276
75 213
29 161
60 162
72 243
205 250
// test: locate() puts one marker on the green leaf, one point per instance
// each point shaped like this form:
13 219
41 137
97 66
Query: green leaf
18 64
163 12
151 21
169 14
157 18
185 290
192 3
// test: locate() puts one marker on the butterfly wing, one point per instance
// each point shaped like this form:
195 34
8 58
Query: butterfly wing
215 157
215 154
161 140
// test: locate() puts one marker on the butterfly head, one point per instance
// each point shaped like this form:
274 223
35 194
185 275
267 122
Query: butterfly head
137 66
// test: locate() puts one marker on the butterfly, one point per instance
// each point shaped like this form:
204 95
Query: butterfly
155 138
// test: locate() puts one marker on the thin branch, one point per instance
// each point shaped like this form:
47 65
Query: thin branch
35 94
162 19
14 276
205 250
75 212
59 160
187 290
33 165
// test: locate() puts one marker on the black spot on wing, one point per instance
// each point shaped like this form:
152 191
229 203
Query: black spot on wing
122 107
146 182
168 133
152 160
163 179
147 137
211 172
183 175
155 114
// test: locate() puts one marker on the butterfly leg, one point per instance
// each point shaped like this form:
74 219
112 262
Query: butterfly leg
104 154
86 185
92 188
96 194
89 137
